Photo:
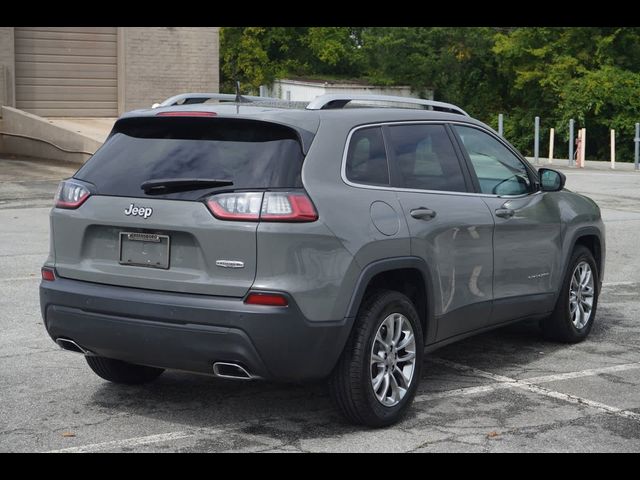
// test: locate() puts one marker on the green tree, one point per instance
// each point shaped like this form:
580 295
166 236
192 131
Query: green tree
586 73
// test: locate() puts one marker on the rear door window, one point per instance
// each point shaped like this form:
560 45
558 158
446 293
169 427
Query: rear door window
425 158
251 154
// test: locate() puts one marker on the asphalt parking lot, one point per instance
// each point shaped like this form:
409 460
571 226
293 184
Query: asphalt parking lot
507 390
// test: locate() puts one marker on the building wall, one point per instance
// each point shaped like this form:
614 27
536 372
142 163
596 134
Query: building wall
305 91
159 62
7 66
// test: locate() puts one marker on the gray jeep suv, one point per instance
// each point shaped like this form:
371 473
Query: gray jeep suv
341 240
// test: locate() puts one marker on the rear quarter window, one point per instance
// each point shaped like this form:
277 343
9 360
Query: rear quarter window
367 158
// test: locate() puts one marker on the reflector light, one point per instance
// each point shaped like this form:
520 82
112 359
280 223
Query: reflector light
48 274
269 299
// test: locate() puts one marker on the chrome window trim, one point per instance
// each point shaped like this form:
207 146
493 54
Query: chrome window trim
343 169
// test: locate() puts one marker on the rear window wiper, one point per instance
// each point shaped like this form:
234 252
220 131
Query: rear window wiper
158 186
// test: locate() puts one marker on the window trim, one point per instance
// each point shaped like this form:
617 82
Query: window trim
533 176
463 166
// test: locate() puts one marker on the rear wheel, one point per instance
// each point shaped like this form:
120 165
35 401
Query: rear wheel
378 373
118 371
575 311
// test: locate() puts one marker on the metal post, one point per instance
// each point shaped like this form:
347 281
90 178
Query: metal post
571 141
500 125
263 90
536 140
613 149
583 147
637 141
552 135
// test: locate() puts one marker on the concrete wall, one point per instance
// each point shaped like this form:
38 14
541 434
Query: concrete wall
7 66
33 135
159 62
305 91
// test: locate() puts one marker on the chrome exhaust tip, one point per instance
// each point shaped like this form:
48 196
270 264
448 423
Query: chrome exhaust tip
231 370
71 346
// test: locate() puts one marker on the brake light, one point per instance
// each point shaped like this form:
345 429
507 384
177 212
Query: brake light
71 195
267 206
186 114
48 274
268 299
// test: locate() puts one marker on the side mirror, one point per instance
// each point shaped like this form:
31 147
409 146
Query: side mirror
551 180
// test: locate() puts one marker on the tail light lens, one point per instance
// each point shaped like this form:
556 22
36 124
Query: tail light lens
287 207
266 207
71 194
236 206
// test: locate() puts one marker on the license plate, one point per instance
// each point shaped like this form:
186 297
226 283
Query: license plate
144 249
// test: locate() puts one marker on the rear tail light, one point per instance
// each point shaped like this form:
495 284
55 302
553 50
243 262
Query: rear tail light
48 274
267 206
287 207
269 299
71 194
236 206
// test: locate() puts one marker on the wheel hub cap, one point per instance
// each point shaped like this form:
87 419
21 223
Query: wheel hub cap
581 295
392 359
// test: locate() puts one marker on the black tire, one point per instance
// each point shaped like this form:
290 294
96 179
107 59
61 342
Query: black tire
350 384
117 371
558 326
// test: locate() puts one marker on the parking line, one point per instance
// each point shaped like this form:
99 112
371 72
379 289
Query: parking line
615 284
529 386
19 279
128 442
584 373
501 382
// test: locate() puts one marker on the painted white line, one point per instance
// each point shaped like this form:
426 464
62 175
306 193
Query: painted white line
19 279
578 400
128 442
584 373
501 382
527 385
460 392
615 284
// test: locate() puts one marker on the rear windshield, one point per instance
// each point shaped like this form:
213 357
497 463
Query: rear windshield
251 154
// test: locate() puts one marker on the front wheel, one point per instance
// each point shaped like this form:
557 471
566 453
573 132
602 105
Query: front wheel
378 373
575 310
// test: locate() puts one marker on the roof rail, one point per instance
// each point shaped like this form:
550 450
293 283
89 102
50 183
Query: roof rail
193 98
340 100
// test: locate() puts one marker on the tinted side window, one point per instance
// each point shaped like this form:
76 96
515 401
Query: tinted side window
499 171
367 158
425 158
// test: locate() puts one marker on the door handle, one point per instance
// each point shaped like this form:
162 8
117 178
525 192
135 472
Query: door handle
422 213
505 212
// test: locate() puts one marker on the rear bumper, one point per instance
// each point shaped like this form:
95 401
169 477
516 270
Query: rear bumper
191 332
